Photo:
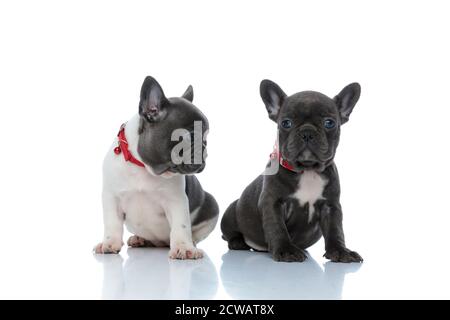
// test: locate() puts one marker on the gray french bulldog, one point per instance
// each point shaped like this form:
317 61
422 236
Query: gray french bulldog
286 212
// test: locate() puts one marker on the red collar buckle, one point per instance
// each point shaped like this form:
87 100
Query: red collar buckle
123 148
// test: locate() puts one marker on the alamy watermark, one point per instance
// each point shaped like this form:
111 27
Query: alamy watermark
181 153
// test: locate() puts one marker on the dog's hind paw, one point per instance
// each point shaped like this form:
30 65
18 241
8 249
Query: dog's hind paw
138 242
237 244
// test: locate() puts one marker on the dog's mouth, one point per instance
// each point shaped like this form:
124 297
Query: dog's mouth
187 169
308 164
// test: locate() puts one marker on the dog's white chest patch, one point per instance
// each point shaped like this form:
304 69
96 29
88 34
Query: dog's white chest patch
310 189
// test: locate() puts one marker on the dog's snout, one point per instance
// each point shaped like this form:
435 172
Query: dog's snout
307 135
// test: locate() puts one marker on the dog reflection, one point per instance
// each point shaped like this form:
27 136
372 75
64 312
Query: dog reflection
150 274
253 275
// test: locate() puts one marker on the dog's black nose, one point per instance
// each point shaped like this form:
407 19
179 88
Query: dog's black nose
307 135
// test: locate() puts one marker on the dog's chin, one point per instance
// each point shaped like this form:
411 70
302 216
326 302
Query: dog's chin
165 173
169 174
172 172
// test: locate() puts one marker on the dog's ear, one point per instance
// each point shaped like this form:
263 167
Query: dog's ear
152 100
273 97
188 94
346 100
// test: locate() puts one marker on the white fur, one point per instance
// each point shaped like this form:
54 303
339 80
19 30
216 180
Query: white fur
310 189
153 207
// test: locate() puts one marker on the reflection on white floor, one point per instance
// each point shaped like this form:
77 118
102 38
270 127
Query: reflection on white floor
252 275
149 274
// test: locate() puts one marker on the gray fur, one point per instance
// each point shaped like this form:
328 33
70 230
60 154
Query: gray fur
266 215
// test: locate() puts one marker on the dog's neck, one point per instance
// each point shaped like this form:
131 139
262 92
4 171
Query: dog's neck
131 132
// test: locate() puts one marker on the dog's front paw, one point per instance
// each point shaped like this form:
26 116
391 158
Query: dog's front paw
184 251
289 253
108 246
342 255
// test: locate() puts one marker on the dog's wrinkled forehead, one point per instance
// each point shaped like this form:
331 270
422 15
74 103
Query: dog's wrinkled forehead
183 114
278 104
308 104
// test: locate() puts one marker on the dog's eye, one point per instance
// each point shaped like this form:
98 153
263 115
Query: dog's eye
329 124
286 123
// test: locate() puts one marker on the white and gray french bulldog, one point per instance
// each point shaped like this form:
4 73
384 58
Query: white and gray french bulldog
157 198
286 212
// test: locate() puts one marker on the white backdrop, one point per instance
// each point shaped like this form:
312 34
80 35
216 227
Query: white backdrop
70 74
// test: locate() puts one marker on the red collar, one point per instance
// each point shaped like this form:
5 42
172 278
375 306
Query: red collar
123 147
276 154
